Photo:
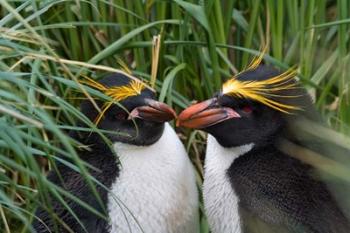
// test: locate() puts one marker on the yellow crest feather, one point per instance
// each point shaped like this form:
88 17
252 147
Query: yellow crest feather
116 93
123 92
262 91
257 60
124 66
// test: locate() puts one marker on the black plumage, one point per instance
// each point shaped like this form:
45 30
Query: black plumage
278 190
101 158
284 193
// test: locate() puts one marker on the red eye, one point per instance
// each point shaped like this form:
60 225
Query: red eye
120 116
247 109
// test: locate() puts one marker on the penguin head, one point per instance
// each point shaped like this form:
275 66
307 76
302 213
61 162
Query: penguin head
136 119
253 107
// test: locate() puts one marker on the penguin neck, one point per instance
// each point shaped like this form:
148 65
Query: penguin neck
125 148
220 199
226 154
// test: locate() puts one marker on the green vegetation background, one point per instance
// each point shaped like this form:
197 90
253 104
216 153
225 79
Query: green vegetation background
203 43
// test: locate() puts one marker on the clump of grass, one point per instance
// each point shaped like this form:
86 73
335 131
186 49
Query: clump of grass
45 46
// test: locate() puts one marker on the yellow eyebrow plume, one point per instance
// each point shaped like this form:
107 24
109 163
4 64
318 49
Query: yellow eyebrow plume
117 93
257 60
262 91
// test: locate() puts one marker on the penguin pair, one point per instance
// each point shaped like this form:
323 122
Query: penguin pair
255 177
147 180
258 175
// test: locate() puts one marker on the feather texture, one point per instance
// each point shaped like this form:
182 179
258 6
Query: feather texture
257 60
117 93
263 91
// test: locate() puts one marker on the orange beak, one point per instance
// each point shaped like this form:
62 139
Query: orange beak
153 111
205 114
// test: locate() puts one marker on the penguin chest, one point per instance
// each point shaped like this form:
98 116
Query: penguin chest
155 191
220 200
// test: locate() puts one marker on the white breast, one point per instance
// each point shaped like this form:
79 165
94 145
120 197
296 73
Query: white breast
220 200
156 189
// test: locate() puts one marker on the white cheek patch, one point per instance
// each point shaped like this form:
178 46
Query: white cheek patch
220 200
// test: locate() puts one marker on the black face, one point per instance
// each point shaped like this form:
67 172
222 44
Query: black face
234 121
238 121
257 123
141 124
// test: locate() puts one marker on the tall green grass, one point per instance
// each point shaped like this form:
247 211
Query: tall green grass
203 43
